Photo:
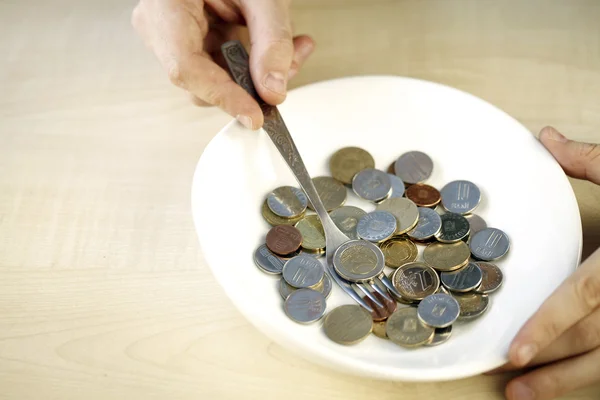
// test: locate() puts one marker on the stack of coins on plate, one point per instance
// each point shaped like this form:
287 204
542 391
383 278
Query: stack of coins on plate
438 254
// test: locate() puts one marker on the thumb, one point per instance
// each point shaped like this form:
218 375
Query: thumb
272 49
579 160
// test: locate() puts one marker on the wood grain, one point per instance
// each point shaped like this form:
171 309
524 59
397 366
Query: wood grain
103 290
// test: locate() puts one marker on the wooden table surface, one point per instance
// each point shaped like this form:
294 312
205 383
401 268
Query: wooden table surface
103 291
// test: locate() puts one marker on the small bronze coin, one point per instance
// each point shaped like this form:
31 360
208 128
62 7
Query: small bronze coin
423 195
381 313
399 251
348 161
472 305
379 329
415 281
455 228
284 239
274 219
447 257
333 194
492 277
313 235
348 324
404 328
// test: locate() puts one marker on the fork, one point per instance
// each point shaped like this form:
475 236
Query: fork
237 61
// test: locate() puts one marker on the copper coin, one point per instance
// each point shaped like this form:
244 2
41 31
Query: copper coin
423 195
379 313
392 169
284 239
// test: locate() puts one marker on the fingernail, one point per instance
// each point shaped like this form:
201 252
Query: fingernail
275 82
245 120
555 135
521 391
526 353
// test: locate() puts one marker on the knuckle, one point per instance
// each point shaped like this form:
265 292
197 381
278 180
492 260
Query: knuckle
588 290
589 150
588 334
552 330
214 95
550 383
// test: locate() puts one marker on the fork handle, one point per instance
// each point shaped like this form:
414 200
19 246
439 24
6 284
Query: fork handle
237 60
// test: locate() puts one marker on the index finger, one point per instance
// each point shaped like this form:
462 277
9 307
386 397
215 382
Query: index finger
577 297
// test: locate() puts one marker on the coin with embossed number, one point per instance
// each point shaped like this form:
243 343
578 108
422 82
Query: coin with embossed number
333 194
415 281
476 223
303 271
472 305
376 226
283 239
489 244
274 219
287 201
305 306
398 187
462 280
398 251
404 328
346 218
461 197
438 310
358 261
372 185
267 261
492 277
423 195
348 161
348 324
429 225
447 257
440 336
381 313
413 167
405 211
455 228
325 286
313 236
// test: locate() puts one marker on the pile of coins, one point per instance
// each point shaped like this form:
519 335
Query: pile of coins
450 282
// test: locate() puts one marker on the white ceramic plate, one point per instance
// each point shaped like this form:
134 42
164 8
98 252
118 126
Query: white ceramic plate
524 192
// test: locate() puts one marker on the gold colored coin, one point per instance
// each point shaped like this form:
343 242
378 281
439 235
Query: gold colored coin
347 162
447 257
333 194
415 281
313 236
472 305
348 324
399 251
379 329
405 211
275 220
404 328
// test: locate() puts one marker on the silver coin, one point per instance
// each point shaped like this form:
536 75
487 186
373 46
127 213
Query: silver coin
476 223
346 218
455 227
429 225
462 280
440 336
305 306
287 201
376 226
325 287
372 184
303 271
398 186
358 261
460 197
413 167
268 262
489 244
438 310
